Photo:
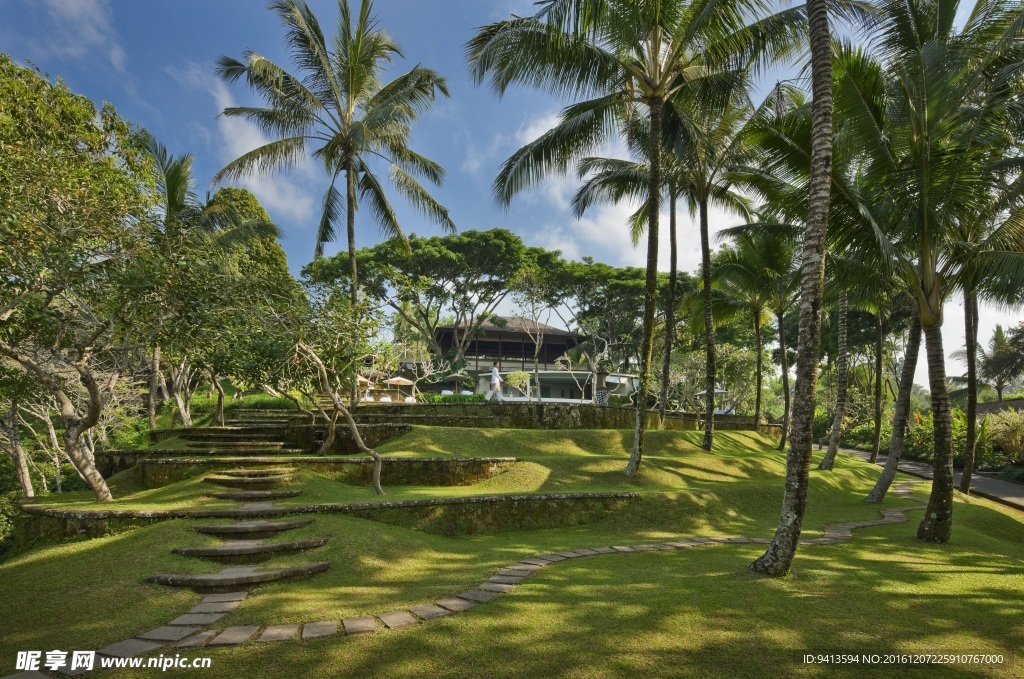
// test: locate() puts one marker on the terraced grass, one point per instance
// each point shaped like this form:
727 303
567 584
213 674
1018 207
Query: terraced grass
684 613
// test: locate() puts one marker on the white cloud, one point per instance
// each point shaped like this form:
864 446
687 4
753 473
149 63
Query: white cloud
79 27
283 197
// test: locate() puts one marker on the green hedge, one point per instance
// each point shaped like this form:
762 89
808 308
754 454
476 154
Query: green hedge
450 398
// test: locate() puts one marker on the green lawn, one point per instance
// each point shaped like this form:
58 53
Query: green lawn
685 613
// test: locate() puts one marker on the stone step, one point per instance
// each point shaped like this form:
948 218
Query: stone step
251 530
247 444
252 473
254 483
250 551
231 578
229 452
254 433
256 494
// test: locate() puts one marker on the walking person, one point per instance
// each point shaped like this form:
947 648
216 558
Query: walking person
495 385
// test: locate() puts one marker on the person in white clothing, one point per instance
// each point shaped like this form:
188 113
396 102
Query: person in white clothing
495 385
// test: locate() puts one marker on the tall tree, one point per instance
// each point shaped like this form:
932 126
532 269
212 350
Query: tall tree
619 55
778 558
337 103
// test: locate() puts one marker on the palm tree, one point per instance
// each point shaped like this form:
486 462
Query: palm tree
939 104
762 269
337 104
623 55
695 166
778 558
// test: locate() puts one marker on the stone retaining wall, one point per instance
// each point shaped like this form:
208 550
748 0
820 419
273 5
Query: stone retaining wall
154 472
447 516
506 415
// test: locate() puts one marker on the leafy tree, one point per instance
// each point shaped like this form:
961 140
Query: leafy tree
337 103
455 279
75 257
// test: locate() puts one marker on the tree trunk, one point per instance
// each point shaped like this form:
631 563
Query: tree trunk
901 414
879 348
154 387
218 416
784 359
709 329
350 229
778 558
670 303
650 289
971 318
13 430
937 524
841 387
759 378
86 466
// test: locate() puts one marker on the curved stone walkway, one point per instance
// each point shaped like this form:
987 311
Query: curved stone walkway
186 631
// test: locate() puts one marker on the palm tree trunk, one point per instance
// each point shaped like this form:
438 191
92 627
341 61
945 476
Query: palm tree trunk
709 329
759 369
879 347
350 229
971 322
902 412
937 524
780 319
779 556
670 304
650 288
842 381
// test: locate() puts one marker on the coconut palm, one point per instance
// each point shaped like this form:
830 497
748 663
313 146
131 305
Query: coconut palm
619 56
337 106
933 112
761 268
695 168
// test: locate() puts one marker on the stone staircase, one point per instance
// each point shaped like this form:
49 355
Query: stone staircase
247 542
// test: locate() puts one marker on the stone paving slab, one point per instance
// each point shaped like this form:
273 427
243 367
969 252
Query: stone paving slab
513 573
199 639
550 558
224 598
315 630
500 588
529 565
395 619
167 633
604 550
361 625
216 607
506 579
623 548
429 611
535 562
280 633
569 555
129 648
197 619
233 636
586 551
455 604
681 544
478 595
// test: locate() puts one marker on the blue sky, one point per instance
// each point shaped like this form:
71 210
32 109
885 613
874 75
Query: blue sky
153 60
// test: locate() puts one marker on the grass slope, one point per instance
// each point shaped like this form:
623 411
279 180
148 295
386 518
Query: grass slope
686 613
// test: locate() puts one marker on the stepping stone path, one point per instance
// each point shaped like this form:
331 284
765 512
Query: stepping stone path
244 541
186 631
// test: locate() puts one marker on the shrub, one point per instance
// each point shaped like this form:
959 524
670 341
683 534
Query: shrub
1006 434
620 401
450 398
